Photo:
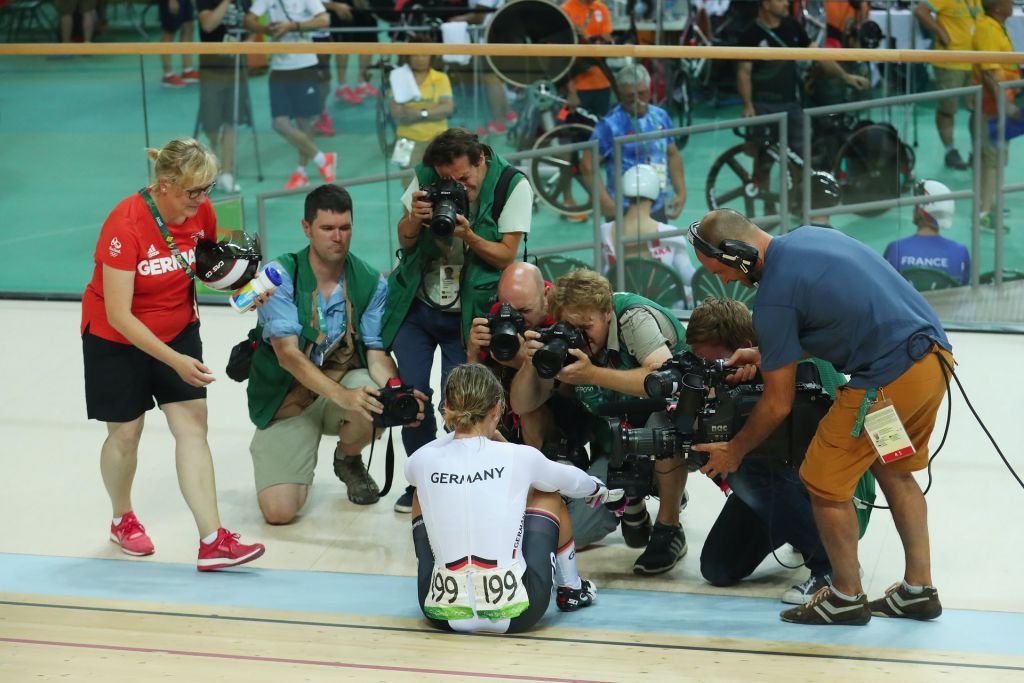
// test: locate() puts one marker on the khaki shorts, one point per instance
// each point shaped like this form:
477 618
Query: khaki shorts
285 451
989 152
836 460
947 79
65 7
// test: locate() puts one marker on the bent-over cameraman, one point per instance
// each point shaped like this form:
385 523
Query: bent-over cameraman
320 363
615 340
465 213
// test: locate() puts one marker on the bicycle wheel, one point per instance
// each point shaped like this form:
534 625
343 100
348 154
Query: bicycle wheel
873 164
748 184
556 176
383 121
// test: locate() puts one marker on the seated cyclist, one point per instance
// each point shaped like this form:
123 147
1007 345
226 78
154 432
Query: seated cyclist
491 570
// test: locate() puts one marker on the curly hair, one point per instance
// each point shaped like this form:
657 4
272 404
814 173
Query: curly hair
721 321
580 290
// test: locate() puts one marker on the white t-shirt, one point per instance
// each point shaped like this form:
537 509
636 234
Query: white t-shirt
515 217
290 10
672 251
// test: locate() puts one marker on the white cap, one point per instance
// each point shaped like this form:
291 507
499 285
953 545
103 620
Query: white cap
940 212
641 181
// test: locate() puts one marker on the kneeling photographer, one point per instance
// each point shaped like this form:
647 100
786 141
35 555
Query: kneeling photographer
319 363
769 505
602 348
465 213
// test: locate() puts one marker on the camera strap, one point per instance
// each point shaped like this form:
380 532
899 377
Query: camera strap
389 462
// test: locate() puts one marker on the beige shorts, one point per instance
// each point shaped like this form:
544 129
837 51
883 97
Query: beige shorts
285 451
947 79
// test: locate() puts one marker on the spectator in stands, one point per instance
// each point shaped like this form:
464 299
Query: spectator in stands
421 119
953 25
769 87
842 19
295 81
991 36
66 11
926 248
502 115
353 14
641 185
177 17
589 87
636 114
217 100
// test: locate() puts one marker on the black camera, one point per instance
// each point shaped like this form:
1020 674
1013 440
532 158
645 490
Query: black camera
400 405
554 355
697 416
449 199
506 324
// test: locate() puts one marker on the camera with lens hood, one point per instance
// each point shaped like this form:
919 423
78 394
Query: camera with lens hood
505 324
554 355
449 199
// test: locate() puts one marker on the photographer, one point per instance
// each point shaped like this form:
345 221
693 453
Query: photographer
769 506
884 334
320 363
614 341
449 265
518 537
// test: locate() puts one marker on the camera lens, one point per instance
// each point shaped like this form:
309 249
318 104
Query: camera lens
663 383
443 223
504 341
550 358
404 408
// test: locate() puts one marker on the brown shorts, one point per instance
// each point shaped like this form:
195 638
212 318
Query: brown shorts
947 79
836 460
65 7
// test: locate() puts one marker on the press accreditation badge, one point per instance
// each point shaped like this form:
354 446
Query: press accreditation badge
449 278
662 171
888 437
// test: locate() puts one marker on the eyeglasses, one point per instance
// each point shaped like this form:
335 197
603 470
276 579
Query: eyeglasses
200 191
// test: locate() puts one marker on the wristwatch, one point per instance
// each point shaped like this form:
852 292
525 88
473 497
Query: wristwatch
424 114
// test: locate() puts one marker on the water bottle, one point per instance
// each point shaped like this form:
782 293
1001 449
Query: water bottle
244 298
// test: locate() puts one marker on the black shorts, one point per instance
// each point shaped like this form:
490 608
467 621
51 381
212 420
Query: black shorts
361 18
540 542
121 380
296 94
170 23
217 98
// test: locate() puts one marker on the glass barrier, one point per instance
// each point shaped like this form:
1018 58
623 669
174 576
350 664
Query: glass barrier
88 119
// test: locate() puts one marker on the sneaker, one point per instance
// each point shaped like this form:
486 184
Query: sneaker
955 161
366 89
825 608
131 535
481 132
576 217
496 127
190 75
297 180
404 502
666 547
348 95
226 551
173 81
802 592
329 167
899 603
324 126
636 529
572 599
362 489
511 118
987 222
226 184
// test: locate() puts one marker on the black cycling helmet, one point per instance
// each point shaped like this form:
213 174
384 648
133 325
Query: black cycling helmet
228 264
869 35
825 191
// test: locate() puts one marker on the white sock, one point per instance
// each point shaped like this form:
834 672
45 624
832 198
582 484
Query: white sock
844 596
913 590
168 73
320 159
301 170
950 147
566 573
117 520
211 538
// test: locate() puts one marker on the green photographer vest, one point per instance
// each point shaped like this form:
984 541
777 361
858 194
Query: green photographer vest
268 381
479 283
591 395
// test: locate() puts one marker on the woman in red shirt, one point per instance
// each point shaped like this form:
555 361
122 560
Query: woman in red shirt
140 341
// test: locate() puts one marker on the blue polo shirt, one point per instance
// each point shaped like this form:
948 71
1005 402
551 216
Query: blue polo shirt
835 298
931 251
617 123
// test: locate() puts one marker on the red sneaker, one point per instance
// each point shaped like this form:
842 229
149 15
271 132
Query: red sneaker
496 127
481 132
366 89
511 118
297 180
173 81
190 75
226 551
346 93
324 126
329 167
131 535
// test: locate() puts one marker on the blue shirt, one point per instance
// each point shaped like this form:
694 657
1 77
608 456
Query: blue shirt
931 251
280 316
618 123
835 298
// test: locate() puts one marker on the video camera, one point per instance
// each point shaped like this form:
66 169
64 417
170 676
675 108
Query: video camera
400 405
449 199
698 416
554 355
506 324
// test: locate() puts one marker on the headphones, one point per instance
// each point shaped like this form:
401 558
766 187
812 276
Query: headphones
733 253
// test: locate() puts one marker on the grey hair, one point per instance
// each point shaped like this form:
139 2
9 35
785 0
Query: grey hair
633 75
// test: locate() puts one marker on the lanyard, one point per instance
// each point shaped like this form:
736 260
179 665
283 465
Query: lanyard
772 34
166 233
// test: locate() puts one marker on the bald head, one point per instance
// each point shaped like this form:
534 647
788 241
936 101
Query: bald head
726 224
522 287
